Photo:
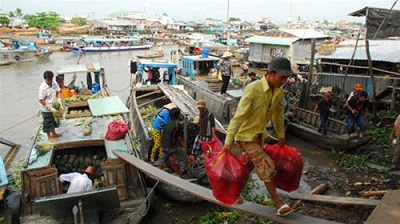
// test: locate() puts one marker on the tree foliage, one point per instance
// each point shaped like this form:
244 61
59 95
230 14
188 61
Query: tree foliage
4 20
48 21
79 21
234 19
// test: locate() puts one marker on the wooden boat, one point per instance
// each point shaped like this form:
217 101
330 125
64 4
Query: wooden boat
145 104
304 124
223 108
118 186
258 210
97 45
15 51
151 55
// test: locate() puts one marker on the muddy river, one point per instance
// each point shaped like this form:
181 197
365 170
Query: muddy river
19 106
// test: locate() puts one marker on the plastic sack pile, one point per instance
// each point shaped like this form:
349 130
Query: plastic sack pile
226 172
116 130
288 165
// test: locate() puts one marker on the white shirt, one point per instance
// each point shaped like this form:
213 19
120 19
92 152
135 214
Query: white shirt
78 182
48 93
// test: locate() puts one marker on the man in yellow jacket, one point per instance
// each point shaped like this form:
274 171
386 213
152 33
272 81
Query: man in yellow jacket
262 101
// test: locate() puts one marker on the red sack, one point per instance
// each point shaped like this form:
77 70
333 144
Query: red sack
227 173
116 130
288 165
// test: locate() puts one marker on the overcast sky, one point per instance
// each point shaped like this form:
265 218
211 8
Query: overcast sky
250 10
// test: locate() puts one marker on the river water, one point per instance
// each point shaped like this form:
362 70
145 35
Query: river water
19 85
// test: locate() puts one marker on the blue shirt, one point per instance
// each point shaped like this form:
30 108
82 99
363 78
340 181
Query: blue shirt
161 120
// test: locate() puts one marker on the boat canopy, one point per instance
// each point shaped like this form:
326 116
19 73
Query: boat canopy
145 64
72 69
198 64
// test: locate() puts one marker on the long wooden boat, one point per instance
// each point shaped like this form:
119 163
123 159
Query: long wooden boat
118 186
145 102
98 45
21 51
304 124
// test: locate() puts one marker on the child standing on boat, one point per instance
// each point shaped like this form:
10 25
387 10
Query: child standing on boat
49 91
323 108
206 123
156 131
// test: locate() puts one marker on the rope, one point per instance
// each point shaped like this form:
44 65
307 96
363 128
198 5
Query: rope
120 90
7 129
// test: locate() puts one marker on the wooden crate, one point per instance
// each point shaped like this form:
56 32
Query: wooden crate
114 171
39 183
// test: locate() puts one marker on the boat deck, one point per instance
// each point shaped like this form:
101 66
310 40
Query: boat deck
72 136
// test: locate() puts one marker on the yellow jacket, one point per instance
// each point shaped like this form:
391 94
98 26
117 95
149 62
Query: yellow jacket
259 104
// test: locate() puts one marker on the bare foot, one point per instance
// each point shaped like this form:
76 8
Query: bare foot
57 135
239 201
52 139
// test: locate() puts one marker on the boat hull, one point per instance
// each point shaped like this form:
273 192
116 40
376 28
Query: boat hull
304 124
109 49
17 56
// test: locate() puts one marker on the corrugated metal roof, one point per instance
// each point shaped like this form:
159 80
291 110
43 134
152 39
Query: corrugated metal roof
270 40
380 50
305 33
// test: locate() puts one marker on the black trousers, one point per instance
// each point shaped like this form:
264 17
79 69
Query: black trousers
225 83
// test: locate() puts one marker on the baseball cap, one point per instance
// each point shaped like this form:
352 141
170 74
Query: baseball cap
280 65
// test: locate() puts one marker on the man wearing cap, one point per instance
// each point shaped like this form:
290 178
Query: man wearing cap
357 89
79 182
156 131
357 112
226 69
206 123
261 102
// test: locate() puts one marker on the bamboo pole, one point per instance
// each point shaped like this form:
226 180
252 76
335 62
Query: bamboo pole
310 75
371 73
350 62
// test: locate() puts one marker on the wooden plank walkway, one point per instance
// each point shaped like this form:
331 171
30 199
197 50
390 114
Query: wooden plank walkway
388 211
206 194
335 200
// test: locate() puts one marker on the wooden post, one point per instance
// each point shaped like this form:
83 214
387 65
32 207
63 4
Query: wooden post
371 73
310 75
394 94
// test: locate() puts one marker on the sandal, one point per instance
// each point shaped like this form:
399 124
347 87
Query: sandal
280 212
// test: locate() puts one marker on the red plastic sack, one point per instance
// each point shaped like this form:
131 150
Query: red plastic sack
288 164
227 173
116 130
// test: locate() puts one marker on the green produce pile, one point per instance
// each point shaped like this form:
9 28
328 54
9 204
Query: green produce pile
148 114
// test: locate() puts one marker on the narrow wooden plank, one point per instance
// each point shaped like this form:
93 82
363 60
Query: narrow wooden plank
388 211
335 200
151 101
206 194
148 94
